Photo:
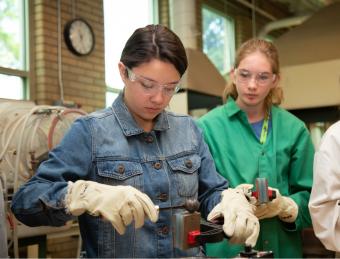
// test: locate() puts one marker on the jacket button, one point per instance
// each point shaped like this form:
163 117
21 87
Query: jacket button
163 230
149 139
157 165
163 197
121 169
188 163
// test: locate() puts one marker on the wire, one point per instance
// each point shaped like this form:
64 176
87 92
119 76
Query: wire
54 124
60 72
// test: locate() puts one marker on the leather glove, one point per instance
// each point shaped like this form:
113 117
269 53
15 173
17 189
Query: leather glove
247 190
118 204
240 223
283 207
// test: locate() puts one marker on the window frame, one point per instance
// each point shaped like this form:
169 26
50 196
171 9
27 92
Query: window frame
25 74
230 19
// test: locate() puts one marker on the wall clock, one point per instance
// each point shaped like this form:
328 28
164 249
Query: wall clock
79 37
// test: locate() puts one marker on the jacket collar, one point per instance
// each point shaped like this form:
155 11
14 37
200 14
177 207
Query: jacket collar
128 123
231 107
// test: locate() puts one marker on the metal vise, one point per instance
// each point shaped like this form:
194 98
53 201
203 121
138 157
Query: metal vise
190 230
262 193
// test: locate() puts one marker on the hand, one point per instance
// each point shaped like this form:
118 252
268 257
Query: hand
118 204
240 223
283 207
247 190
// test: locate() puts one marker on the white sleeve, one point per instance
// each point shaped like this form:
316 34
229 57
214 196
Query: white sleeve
324 204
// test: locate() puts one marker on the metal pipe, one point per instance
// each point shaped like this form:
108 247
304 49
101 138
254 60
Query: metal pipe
284 23
258 10
60 72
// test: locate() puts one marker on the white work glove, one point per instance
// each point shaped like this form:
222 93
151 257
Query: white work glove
117 204
240 223
283 207
247 190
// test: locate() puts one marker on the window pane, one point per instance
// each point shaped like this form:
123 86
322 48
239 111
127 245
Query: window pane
218 40
11 87
12 34
121 18
110 97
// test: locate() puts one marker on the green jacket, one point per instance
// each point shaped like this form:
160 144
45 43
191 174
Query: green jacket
285 159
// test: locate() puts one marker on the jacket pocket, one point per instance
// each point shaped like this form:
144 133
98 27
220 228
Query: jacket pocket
185 170
120 172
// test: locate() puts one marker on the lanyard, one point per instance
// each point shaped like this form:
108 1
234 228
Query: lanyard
264 131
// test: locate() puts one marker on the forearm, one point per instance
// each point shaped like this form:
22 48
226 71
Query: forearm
41 203
211 183
208 202
324 204
326 222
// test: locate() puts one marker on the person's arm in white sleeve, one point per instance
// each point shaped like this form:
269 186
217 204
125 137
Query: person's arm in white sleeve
324 204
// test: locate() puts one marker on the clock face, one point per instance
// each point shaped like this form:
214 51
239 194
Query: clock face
79 37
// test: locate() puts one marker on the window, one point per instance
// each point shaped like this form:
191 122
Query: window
218 39
13 53
121 18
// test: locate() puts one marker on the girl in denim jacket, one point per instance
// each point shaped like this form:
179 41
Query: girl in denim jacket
116 167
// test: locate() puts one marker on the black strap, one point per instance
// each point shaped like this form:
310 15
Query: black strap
210 233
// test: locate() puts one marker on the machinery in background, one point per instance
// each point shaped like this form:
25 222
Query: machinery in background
27 133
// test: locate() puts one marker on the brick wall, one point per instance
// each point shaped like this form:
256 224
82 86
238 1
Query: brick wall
83 78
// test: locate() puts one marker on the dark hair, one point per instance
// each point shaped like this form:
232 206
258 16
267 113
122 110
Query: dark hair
268 49
154 42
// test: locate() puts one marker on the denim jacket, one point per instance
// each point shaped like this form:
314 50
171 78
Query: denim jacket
170 164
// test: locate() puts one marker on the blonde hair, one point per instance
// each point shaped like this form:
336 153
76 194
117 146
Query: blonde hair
275 96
